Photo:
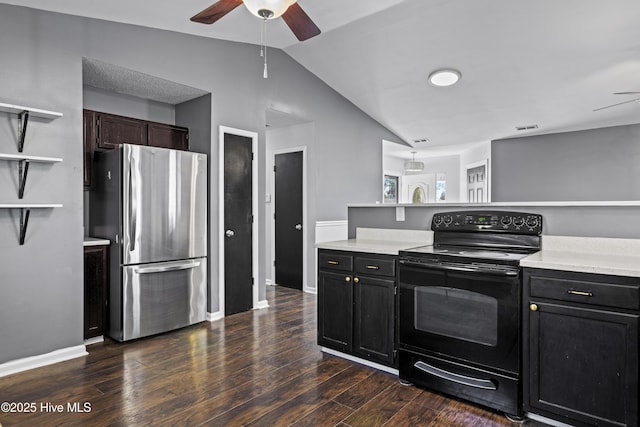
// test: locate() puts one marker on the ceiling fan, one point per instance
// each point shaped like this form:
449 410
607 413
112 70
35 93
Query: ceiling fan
296 18
621 103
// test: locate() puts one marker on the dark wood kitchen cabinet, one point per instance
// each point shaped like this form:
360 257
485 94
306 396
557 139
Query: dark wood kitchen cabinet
581 347
88 136
168 136
102 131
95 290
112 130
356 304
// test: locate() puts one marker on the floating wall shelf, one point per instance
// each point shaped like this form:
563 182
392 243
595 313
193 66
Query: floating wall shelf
24 160
23 114
25 210
23 166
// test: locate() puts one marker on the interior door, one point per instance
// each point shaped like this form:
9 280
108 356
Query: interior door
288 219
238 222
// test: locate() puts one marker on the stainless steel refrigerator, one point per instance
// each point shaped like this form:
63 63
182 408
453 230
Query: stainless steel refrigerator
152 204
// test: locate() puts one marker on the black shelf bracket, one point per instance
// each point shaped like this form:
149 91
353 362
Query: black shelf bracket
23 169
22 128
24 221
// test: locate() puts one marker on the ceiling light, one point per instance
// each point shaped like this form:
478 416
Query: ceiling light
268 9
444 77
413 166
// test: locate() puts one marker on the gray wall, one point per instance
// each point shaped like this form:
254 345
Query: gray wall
196 115
41 292
592 221
126 105
599 164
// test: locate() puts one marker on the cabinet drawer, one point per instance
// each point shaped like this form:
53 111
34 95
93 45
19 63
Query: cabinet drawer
586 291
335 261
376 266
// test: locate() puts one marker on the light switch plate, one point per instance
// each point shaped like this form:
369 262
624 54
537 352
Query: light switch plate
399 213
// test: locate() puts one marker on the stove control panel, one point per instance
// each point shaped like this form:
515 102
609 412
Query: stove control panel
494 221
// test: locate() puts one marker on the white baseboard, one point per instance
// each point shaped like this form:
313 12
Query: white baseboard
94 340
261 304
32 362
269 282
546 420
360 361
212 317
309 290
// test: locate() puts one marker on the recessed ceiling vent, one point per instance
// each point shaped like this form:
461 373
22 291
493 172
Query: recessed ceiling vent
420 141
529 127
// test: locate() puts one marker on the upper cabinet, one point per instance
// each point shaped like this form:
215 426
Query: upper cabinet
112 131
102 131
168 136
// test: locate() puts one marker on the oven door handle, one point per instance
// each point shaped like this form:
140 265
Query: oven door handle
448 267
456 378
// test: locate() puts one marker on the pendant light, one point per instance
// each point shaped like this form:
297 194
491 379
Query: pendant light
413 166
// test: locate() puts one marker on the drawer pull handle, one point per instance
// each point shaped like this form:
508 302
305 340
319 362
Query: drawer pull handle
333 262
581 293
373 267
347 279
356 280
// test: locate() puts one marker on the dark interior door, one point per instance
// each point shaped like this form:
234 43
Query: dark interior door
288 219
238 273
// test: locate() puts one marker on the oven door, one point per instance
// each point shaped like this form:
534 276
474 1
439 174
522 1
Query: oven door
469 315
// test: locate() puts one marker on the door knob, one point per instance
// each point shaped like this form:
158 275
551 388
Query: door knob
298 226
229 233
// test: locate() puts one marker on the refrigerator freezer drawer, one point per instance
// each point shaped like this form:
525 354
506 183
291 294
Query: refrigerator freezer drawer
161 297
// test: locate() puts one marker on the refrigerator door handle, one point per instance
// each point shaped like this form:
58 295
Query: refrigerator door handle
132 209
167 267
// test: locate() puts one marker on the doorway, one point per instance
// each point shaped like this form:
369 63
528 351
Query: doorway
238 234
289 219
477 182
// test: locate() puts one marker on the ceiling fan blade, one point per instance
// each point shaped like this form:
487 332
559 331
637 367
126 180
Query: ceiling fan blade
216 11
626 93
615 105
300 23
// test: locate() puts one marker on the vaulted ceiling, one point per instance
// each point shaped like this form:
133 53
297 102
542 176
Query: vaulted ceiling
548 63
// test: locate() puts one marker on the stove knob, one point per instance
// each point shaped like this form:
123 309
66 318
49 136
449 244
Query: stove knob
437 219
447 219
532 222
518 221
505 220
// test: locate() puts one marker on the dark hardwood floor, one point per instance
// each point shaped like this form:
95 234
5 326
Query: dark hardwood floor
259 368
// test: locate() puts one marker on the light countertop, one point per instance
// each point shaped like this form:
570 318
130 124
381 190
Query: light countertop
93 241
381 241
618 257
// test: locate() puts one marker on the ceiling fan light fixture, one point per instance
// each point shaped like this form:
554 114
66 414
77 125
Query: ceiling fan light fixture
412 165
444 77
268 9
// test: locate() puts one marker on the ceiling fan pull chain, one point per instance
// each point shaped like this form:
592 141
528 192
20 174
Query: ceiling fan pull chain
262 30
265 74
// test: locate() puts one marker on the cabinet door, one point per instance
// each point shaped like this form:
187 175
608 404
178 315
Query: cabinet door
116 130
335 310
88 141
95 281
167 136
583 364
374 319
